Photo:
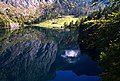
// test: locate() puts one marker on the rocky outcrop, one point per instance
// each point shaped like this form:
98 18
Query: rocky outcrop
26 3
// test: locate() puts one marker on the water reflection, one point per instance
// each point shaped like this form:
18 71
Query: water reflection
42 60
28 61
71 53
46 66
70 76
71 56
80 64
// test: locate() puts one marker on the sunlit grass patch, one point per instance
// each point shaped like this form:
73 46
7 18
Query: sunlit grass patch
57 22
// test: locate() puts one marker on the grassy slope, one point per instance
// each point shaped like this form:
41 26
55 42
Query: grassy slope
60 22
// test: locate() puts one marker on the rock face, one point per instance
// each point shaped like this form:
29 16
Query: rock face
26 3
19 11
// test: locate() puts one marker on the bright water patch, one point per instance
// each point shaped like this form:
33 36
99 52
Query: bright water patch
70 76
71 53
71 56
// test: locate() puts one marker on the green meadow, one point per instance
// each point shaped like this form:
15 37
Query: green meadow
57 22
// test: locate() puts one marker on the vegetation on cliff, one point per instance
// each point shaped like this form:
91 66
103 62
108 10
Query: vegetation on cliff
101 31
16 16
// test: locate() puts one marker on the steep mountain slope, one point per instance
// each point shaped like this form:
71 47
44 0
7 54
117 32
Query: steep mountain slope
19 11
25 3
13 13
69 7
77 7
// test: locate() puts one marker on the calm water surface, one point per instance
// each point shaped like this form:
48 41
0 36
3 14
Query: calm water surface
47 60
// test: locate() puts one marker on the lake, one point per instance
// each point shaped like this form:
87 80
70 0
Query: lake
46 55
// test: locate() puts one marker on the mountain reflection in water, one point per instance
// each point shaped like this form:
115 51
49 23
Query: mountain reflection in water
46 58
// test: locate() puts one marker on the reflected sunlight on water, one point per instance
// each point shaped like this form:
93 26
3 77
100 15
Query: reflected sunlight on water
70 76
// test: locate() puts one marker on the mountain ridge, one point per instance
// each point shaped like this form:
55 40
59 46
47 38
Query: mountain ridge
26 3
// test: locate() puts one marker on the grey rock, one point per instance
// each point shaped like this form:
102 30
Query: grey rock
26 3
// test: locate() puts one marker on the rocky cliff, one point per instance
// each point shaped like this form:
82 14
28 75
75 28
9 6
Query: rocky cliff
16 12
26 3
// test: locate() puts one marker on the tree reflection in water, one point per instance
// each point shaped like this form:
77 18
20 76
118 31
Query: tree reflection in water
39 60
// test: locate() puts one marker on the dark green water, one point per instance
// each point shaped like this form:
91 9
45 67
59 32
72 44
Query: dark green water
52 55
